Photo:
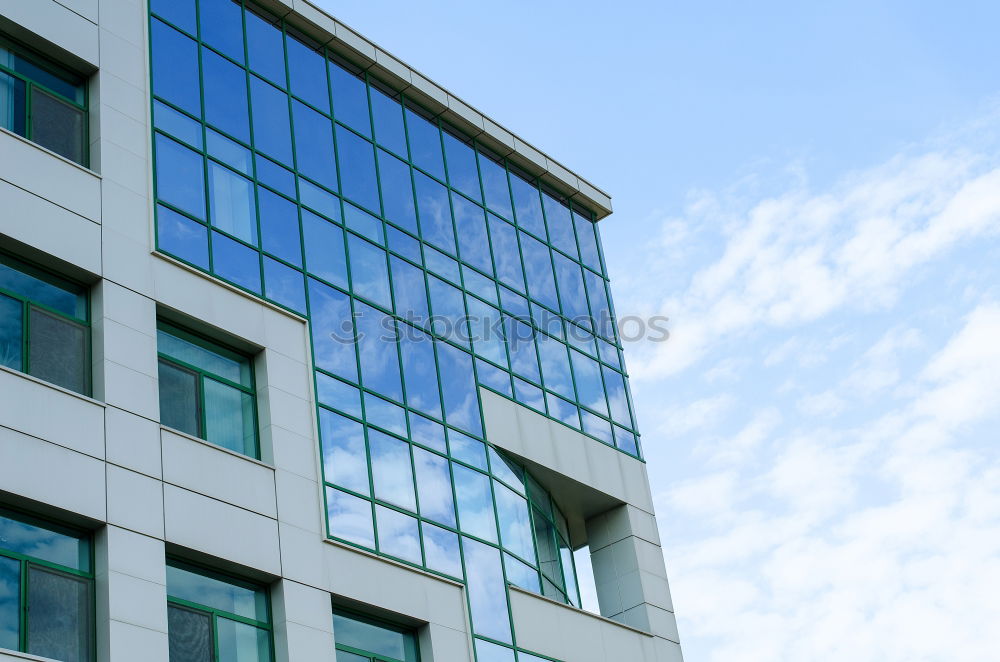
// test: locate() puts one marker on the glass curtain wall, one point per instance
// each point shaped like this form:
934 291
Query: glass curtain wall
426 267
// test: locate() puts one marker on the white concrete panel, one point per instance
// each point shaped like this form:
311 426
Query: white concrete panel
126 639
123 18
52 474
130 347
442 644
126 261
137 602
287 410
135 501
133 442
131 390
48 227
299 501
136 555
293 452
49 176
221 530
28 405
85 8
58 24
213 471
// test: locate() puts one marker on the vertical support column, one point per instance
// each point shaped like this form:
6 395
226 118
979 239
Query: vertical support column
630 574
303 623
131 597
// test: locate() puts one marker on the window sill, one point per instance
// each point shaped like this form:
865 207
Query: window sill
579 610
62 158
54 387
386 559
221 449
6 654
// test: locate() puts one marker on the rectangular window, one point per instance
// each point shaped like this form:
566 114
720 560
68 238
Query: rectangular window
363 639
215 618
43 102
46 589
207 390
44 326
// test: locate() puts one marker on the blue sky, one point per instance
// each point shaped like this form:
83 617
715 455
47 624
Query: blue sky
811 192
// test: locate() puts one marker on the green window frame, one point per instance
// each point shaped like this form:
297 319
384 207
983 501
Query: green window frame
211 599
38 96
198 399
356 646
43 318
44 567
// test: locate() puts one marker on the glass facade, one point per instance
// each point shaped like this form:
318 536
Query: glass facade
362 639
426 268
46 589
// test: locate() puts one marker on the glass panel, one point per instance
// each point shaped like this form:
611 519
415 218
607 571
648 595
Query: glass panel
566 554
175 68
229 152
64 84
225 90
57 126
236 262
324 244
10 602
350 518
435 213
560 225
385 415
279 226
427 432
548 556
272 131
397 191
419 371
377 352
13 104
233 209
563 410
171 121
284 285
11 332
345 461
179 401
589 387
332 331
357 174
369 273
521 344
344 656
42 289
216 593
506 470
314 145
468 450
528 206
190 634
388 115
529 394
495 186
335 393
486 331
597 427
463 174
410 292
425 144
265 47
391 470
473 240
480 285
475 503
364 224
239 642
506 253
441 550
609 353
45 544
398 535
307 70
222 26
493 377
361 634
461 402
515 523
600 306
235 369
538 270
434 487
571 292
626 441
179 12
521 575
487 591
229 418
448 306
555 365
350 99
489 652
61 623
180 177
614 382
57 351
586 237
